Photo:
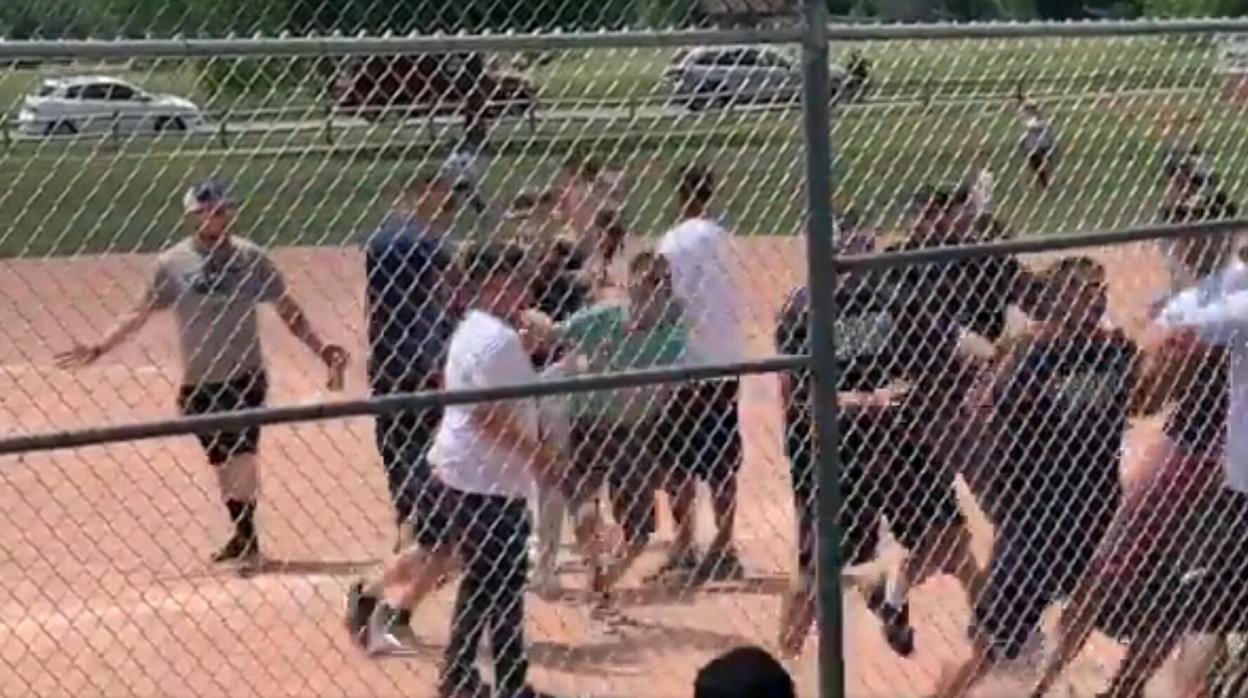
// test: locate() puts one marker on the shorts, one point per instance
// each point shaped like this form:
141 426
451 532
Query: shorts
705 432
1036 561
628 460
1038 158
244 392
1200 587
403 440
884 473
447 518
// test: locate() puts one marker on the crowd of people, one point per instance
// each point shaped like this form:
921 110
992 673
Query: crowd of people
1035 424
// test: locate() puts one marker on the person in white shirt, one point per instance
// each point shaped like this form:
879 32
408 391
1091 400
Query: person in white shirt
1039 142
704 415
486 458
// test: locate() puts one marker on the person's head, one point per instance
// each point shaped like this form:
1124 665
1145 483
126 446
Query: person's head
695 187
580 167
745 672
1073 291
650 285
210 208
609 233
499 277
1200 255
935 212
429 196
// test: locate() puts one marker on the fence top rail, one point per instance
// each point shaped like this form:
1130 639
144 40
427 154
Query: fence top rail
1034 243
311 46
1036 30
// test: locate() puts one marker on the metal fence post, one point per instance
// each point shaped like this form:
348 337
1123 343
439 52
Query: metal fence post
820 232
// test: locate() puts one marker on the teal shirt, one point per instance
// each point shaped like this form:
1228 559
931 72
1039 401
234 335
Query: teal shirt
600 334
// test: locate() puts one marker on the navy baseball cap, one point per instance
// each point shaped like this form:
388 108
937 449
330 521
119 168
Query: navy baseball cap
206 196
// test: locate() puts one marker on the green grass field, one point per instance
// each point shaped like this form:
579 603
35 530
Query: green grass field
94 197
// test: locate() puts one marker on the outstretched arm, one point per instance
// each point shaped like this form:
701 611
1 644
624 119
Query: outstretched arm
1217 320
128 324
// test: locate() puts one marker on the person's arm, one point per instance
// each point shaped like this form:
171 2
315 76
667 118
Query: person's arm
334 356
161 294
501 421
1218 321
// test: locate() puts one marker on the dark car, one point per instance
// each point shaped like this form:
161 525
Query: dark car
378 87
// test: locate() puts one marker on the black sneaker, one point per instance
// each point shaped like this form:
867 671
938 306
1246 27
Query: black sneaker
724 567
683 565
359 608
238 549
895 621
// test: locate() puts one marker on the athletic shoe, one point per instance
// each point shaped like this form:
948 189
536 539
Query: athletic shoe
238 549
360 607
724 567
895 621
379 640
401 629
676 567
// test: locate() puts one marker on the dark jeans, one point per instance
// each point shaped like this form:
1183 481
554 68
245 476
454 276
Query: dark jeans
403 440
490 534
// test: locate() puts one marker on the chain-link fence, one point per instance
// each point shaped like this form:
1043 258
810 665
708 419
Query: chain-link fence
603 263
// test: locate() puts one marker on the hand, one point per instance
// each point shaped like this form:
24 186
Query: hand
81 355
336 359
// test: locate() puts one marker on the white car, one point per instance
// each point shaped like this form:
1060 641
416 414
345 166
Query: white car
100 104
727 75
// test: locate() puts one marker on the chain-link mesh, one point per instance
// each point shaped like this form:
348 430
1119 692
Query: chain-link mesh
370 187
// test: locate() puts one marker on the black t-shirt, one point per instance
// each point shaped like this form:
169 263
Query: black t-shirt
971 293
1198 421
880 336
1064 410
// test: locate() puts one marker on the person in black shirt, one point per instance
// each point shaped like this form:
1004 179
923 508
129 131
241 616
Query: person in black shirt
888 468
1174 561
973 293
1061 394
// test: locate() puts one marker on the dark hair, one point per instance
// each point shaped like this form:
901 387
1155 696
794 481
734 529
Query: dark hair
480 262
745 672
524 201
608 222
654 267
1046 288
580 165
695 184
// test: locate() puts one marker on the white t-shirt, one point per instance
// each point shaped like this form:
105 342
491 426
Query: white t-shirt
484 352
461 168
982 190
700 253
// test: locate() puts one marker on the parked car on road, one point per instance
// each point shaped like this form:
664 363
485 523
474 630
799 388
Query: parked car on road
379 87
93 104
722 76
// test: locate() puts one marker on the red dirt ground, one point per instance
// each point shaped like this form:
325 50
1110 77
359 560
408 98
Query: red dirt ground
106 592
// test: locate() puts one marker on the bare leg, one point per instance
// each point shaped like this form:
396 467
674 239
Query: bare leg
682 493
946 550
957 682
724 504
797 613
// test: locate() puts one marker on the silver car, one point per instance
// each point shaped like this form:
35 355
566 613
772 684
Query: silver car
725 75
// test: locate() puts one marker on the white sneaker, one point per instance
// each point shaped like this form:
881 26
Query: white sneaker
381 644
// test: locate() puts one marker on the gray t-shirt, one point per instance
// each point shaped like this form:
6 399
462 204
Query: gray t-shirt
213 294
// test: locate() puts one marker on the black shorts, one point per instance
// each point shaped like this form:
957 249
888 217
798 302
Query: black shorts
1202 586
704 437
628 460
1038 158
884 473
1035 561
447 518
244 392
403 440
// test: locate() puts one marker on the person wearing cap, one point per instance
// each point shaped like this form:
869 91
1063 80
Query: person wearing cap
411 308
213 282
890 472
